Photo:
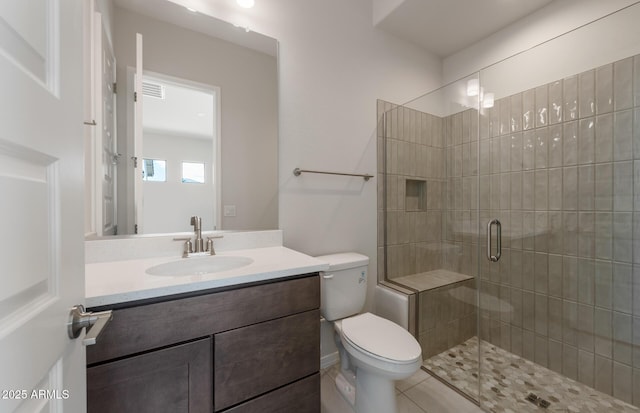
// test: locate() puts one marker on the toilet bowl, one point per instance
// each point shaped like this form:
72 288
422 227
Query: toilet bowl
380 352
374 352
379 345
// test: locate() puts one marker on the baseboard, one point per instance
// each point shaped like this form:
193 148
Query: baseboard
329 360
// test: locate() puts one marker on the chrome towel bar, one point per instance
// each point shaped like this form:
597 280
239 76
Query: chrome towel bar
298 171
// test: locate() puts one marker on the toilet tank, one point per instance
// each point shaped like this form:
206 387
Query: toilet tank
343 288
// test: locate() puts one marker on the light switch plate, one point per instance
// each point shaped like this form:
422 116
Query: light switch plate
229 210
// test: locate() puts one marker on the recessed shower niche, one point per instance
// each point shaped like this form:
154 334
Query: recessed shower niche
415 195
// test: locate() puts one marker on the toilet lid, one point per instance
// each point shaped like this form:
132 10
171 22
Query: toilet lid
381 337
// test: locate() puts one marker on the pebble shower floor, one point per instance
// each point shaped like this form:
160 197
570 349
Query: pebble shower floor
508 379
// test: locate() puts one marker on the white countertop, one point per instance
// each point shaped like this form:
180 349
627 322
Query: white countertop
115 282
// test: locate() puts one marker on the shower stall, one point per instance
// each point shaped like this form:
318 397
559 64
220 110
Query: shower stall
509 207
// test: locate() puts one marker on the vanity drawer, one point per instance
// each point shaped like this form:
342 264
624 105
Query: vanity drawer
254 360
146 327
301 397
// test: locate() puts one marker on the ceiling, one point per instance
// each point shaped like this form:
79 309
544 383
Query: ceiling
183 111
444 27
170 12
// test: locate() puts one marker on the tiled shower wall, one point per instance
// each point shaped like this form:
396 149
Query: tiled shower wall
414 173
414 178
460 223
559 166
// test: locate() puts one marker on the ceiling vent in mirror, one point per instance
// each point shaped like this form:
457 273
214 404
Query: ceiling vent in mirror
153 90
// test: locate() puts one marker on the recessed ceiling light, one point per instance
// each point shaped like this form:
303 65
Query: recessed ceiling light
247 4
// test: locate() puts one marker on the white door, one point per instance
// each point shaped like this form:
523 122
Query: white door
41 205
107 144
137 141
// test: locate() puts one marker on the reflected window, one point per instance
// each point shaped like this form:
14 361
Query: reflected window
154 170
193 172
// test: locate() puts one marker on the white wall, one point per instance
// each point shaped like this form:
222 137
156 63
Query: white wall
604 41
333 66
562 39
169 205
248 95
383 8
555 19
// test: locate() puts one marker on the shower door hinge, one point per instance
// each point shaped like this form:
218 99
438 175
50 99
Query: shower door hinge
135 96
135 229
115 88
135 161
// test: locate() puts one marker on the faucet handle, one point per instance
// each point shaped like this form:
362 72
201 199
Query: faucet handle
188 246
196 221
210 248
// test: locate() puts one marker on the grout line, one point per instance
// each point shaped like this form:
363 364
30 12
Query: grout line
414 402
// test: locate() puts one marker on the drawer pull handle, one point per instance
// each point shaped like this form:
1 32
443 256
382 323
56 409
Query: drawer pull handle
327 276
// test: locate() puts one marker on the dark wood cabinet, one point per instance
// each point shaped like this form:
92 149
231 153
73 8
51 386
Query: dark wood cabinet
300 397
249 349
252 360
176 379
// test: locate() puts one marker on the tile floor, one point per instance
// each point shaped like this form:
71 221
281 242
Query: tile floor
418 394
509 379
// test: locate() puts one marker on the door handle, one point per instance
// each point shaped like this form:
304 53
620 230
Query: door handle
94 323
490 256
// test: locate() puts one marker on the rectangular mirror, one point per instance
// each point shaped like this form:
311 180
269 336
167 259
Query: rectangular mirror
206 112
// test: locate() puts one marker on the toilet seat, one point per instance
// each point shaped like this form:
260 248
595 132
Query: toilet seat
381 339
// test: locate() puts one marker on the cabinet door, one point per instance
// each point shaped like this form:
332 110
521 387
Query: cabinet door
254 360
173 380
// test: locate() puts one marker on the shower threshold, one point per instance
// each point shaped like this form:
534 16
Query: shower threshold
508 381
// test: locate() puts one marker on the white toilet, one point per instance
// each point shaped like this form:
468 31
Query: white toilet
374 350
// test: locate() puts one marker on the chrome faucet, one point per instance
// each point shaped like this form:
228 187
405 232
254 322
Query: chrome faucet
197 246
198 243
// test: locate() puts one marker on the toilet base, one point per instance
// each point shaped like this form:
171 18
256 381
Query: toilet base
374 394
369 393
346 388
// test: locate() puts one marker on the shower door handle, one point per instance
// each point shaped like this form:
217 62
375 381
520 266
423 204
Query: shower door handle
490 256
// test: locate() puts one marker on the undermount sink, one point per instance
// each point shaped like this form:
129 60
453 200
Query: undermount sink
199 265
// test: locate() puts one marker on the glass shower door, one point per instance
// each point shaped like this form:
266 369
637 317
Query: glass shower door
430 220
559 156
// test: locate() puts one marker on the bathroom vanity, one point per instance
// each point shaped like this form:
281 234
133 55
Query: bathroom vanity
226 343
